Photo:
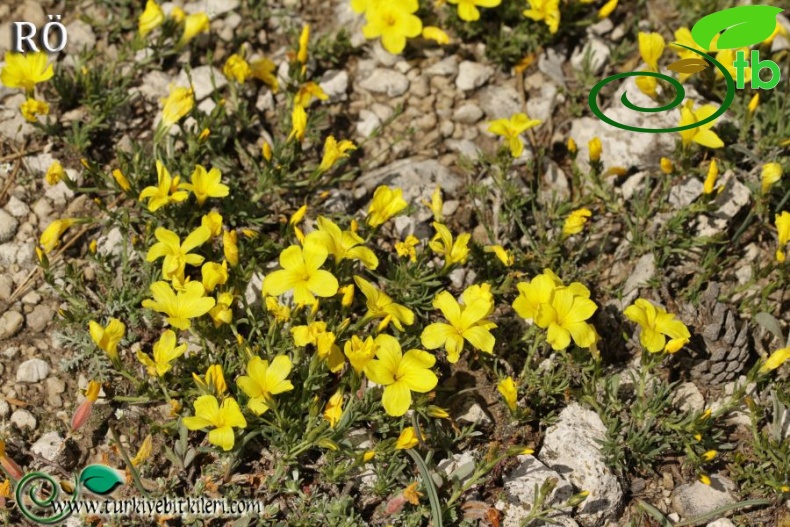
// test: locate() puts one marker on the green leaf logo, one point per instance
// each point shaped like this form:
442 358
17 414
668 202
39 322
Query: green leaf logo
100 479
743 26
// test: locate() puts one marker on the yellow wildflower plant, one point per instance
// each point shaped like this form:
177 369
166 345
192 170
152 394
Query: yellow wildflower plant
265 380
407 439
454 251
511 129
107 338
194 25
683 36
32 108
436 34
222 313
502 254
347 294
334 409
176 105
334 151
342 245
380 305
206 185
298 123
406 248
667 167
782 222
507 388
710 180
230 247
467 322
213 382
656 325
179 306
54 173
776 359
394 22
280 312
727 59
151 18
264 69
400 374
546 10
411 494
166 190
754 102
214 274
121 180
574 223
304 40
702 135
607 9
25 70
565 317
175 253
165 352
595 148
647 85
213 222
236 68
144 452
221 419
306 335
50 238
770 174
437 204
385 205
301 273
651 47
307 92
315 334
467 9
538 292
360 352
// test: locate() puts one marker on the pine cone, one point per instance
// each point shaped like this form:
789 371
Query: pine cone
720 347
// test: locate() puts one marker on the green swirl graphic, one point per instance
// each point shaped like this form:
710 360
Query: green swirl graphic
29 481
680 95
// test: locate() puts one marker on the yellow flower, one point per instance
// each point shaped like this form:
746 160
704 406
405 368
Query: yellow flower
204 134
727 58
651 47
107 339
511 129
166 190
334 408
342 244
596 149
32 108
222 313
438 412
565 316
214 274
380 305
546 10
454 251
144 452
121 180
176 105
206 185
304 40
755 101
574 223
386 204
407 439
360 352
151 18
406 247
264 70
176 254
50 238
607 9
300 272
194 25
782 222
299 123
281 313
683 36
509 392
179 307
467 9
230 247
656 324
213 382
54 173
165 352
710 179
572 148
411 494
316 334
236 68
667 166
368 455
393 22
209 414
400 374
704 479
776 359
347 293
177 14
264 380
647 85
306 93
468 323
702 135
25 70
538 292
333 151
213 222
505 256
771 173
709 455
436 34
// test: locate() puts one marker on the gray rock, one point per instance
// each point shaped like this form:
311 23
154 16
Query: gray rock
447 67
472 75
557 182
213 8
205 80
8 226
369 122
49 446
459 467
599 55
572 448
643 271
389 82
694 499
23 420
253 292
16 207
601 28
464 147
60 194
5 409
111 243
633 185
154 85
550 64
683 195
32 371
6 287
382 56
475 415
10 323
542 106
468 113
38 319
732 199
80 36
499 102
519 490
335 84
721 522
688 398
